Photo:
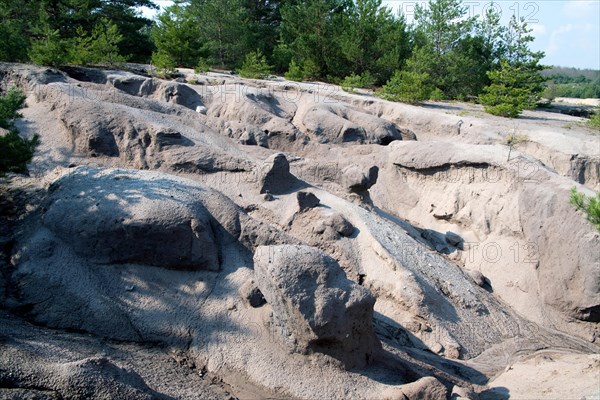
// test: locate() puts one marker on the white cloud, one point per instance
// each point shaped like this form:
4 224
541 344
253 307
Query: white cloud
538 30
580 9
557 39
574 44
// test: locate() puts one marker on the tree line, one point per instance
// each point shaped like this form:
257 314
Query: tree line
444 54
59 32
571 82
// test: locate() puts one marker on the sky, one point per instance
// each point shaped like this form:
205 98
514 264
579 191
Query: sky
568 31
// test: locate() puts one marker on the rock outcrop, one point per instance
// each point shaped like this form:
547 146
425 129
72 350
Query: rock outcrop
358 180
339 224
179 275
275 176
337 123
315 307
108 217
306 200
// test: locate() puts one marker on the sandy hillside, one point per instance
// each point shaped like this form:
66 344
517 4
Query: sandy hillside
250 239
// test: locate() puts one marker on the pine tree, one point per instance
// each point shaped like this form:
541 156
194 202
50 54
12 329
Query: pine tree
14 35
45 29
492 35
309 30
16 151
106 39
223 31
100 47
445 51
176 38
477 54
373 40
48 47
255 66
407 86
517 84
444 23
263 22
136 43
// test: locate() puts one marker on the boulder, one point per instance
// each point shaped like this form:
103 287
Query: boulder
307 200
254 136
316 308
267 116
128 83
252 295
338 123
268 197
113 243
109 217
460 393
356 179
140 138
275 176
169 92
340 224
427 388
477 277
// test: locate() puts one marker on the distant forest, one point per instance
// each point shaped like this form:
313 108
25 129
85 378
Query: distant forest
571 82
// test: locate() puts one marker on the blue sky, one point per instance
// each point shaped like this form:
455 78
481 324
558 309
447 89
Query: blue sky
568 31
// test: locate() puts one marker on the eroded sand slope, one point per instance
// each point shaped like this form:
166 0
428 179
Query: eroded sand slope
274 239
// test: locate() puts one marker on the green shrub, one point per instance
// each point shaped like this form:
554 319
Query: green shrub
504 110
310 70
513 140
50 50
589 205
294 72
580 90
513 88
80 52
202 67
577 199
282 57
104 44
255 66
366 80
16 151
351 82
594 121
13 45
10 104
164 64
437 95
408 87
99 47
